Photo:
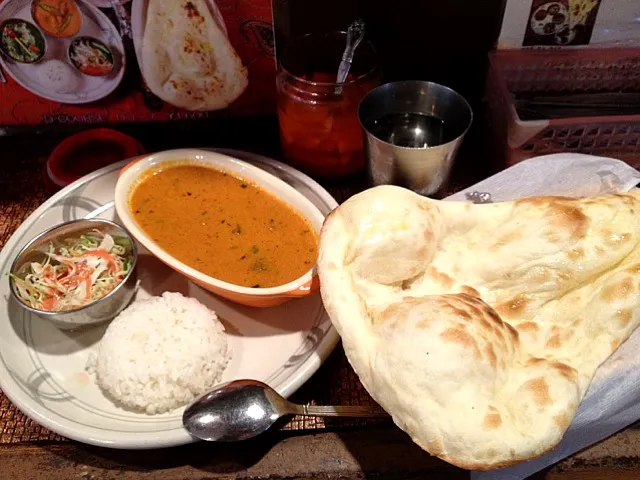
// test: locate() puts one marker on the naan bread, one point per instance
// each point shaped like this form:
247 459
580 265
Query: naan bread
479 327
579 10
188 60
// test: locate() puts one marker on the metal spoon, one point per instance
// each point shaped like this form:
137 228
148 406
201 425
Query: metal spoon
245 408
355 34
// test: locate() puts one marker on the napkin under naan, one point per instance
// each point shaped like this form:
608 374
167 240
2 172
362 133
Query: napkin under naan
479 327
188 60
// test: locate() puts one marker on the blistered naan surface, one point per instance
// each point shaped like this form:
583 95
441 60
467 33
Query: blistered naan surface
479 327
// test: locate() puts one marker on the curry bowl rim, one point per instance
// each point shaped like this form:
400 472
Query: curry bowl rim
131 173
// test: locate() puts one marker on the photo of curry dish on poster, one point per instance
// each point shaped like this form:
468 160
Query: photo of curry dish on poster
67 51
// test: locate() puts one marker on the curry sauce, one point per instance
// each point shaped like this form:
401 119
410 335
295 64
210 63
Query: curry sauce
224 226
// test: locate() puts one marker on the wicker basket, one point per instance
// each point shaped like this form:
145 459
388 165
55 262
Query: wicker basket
568 71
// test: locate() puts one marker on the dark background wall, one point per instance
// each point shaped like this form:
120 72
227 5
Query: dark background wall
446 41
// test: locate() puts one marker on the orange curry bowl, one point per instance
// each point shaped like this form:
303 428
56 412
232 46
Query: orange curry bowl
141 168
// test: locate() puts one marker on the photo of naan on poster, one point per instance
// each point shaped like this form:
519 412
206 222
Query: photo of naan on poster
561 22
110 61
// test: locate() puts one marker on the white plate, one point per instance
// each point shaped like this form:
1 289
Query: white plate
80 88
139 22
42 368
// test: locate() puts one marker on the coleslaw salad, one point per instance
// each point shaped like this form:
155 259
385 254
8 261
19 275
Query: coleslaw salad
73 273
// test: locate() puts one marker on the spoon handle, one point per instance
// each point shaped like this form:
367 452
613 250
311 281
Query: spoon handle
345 411
355 33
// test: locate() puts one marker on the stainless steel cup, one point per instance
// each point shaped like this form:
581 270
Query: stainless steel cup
424 170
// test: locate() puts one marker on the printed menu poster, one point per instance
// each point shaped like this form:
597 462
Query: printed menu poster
570 23
113 61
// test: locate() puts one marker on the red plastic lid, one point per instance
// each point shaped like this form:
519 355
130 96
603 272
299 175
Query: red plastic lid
85 152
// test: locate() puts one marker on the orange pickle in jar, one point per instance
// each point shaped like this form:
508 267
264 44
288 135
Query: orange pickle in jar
319 127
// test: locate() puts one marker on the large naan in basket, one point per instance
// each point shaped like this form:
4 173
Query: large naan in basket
479 327
187 59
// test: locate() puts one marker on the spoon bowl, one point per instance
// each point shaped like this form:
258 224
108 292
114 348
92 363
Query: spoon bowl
234 411
243 409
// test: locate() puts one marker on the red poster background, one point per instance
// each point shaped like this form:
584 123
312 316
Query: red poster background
250 27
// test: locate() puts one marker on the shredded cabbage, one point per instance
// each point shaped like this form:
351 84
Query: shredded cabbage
74 274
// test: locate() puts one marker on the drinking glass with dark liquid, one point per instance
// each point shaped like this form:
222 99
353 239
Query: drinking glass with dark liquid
413 132
319 128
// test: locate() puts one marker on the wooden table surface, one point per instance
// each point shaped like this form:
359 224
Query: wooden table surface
371 454
380 453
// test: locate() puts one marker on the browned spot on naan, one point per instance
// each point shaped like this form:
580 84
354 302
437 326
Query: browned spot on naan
563 214
570 217
486 325
554 342
469 291
627 199
528 327
423 252
614 344
540 390
462 338
618 291
513 307
576 254
566 371
492 421
513 332
428 237
396 312
615 240
439 277
562 421
566 275
461 313
491 355
634 269
623 317
535 361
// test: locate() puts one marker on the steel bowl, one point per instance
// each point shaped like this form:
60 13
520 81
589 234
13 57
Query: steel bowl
98 311
37 29
77 40
34 6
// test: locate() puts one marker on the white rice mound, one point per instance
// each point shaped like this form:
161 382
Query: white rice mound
160 353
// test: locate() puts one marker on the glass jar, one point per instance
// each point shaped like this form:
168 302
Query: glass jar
319 128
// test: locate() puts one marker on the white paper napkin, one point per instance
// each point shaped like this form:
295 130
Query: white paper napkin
611 403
